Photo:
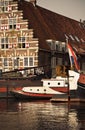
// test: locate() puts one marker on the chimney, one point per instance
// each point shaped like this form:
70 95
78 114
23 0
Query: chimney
33 2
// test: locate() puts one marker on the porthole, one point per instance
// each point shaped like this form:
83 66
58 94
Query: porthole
44 90
48 83
30 89
59 83
37 89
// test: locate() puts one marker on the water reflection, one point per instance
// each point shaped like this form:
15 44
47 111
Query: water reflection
41 115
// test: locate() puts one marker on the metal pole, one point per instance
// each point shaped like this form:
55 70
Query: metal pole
68 76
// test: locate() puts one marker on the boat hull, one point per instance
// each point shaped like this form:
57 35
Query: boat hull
31 96
6 85
81 86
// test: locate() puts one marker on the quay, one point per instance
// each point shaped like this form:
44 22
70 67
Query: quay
73 97
67 100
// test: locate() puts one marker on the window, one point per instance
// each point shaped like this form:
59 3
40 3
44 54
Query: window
59 83
56 47
4 5
4 43
77 39
72 38
25 61
66 36
19 45
4 40
1 3
5 61
31 61
23 45
2 46
12 23
21 41
16 62
44 90
48 83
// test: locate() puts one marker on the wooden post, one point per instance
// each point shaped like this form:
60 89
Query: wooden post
7 91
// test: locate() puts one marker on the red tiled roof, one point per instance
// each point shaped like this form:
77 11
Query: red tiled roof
50 25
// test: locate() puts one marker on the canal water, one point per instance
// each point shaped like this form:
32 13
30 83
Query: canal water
41 115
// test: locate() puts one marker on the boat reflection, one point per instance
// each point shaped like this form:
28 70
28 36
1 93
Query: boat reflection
41 115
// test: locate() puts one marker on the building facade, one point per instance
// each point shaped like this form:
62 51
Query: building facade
18 47
32 36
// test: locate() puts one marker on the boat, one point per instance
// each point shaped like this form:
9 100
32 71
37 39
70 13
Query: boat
54 86
50 87
81 85
9 83
81 79
73 83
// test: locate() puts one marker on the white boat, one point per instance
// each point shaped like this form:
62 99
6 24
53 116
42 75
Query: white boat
55 86
51 87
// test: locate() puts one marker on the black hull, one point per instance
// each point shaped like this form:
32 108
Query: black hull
81 90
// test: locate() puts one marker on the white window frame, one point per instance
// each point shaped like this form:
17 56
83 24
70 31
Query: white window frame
32 61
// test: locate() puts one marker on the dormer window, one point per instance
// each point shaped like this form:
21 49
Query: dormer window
82 40
72 38
77 39
66 36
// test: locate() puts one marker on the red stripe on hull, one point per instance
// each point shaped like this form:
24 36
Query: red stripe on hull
18 88
36 94
30 95
3 89
60 89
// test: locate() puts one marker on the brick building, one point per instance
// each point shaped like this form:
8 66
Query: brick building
28 32
18 47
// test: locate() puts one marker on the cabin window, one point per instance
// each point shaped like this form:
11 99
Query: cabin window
37 89
59 83
44 90
30 89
